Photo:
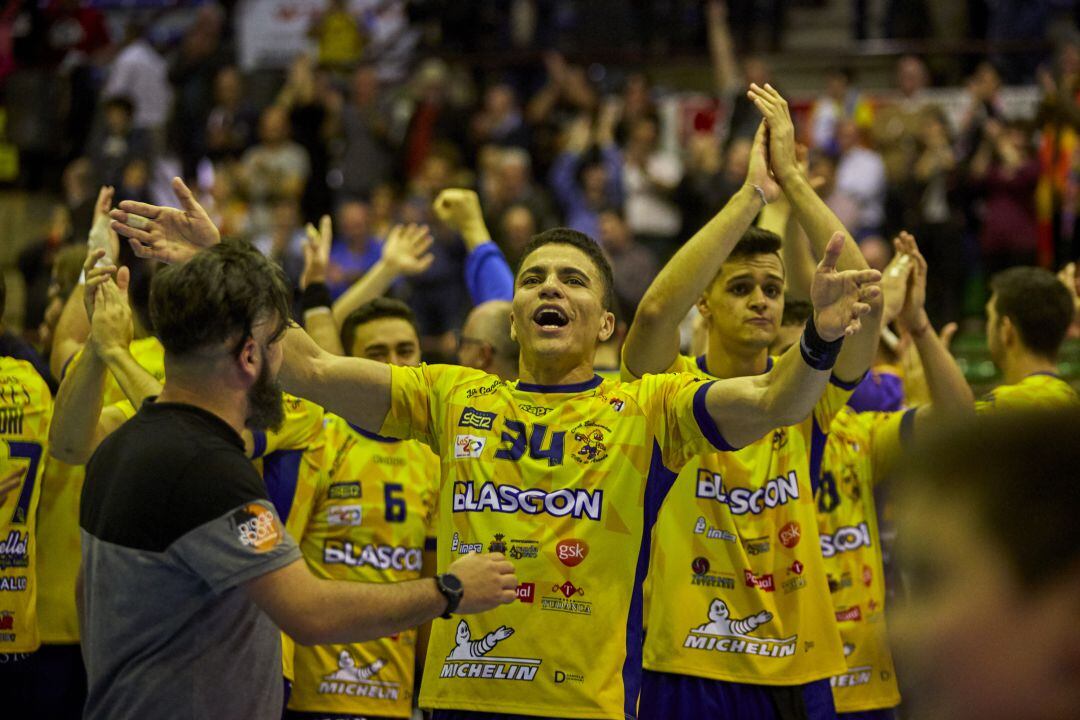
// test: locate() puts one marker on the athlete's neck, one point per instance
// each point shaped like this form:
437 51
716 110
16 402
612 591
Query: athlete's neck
207 391
1022 363
541 371
729 360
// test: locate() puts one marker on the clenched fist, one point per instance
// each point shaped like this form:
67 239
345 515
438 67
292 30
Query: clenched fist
488 581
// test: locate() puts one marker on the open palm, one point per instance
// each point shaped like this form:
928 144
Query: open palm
840 298
166 234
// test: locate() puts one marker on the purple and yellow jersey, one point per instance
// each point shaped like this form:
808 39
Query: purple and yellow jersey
59 547
279 457
25 412
1040 390
860 450
59 544
566 481
737 583
365 518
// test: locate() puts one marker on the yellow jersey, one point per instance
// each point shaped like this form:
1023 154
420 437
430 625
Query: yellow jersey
366 518
566 479
278 455
25 412
737 583
1037 390
59 544
860 450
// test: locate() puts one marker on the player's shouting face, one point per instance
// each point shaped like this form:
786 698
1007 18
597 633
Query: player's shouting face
558 310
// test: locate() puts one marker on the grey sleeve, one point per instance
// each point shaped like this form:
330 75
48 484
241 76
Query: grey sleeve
242 544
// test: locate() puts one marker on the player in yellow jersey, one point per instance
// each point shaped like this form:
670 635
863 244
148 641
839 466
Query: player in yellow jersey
363 512
739 619
25 410
560 461
1027 318
861 449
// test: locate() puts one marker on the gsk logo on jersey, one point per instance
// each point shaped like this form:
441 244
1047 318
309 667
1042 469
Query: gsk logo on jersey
383 557
478 419
776 492
790 535
468 446
571 552
723 634
592 442
533 501
845 539
470 658
354 681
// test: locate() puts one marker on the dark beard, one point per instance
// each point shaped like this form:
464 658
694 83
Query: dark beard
266 403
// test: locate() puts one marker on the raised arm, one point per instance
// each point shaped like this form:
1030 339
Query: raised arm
721 49
79 423
487 274
313 611
406 252
653 341
354 388
314 294
820 224
950 394
166 234
746 408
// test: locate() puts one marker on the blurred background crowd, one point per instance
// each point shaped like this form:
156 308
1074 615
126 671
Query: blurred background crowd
626 120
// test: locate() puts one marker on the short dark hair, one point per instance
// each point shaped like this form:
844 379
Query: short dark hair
584 243
219 294
1038 304
981 459
796 312
756 241
376 309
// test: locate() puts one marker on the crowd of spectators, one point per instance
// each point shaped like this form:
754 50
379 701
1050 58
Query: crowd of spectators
369 129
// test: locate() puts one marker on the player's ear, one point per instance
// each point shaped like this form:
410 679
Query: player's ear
1007 331
703 306
607 325
513 327
249 357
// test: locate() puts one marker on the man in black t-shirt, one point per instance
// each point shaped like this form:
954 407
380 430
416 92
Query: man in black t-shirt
187 572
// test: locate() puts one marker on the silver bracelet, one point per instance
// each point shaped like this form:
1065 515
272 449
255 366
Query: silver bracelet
761 193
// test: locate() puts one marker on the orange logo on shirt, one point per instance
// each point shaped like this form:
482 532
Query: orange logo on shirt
258 528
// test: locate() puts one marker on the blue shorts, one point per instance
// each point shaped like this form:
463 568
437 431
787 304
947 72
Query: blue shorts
51 680
666 695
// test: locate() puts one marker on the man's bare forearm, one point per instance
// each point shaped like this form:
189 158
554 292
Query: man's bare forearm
358 612
652 343
820 222
354 388
949 391
134 380
73 433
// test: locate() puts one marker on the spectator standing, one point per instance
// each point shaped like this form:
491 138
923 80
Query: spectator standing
1008 172
141 74
633 266
275 168
231 122
841 101
860 174
117 144
587 175
355 250
367 160
650 178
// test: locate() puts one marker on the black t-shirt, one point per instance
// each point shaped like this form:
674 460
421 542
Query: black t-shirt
175 519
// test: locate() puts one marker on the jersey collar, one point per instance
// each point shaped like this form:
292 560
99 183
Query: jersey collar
373 436
573 388
701 364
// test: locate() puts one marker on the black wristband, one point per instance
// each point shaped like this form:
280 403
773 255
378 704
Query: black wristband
818 353
316 295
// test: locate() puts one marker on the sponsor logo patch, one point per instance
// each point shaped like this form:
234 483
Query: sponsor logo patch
571 552
722 633
761 582
344 490
353 680
471 657
345 515
257 528
468 446
790 535
477 419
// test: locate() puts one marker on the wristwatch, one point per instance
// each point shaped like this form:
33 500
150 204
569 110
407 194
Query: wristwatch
452 590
